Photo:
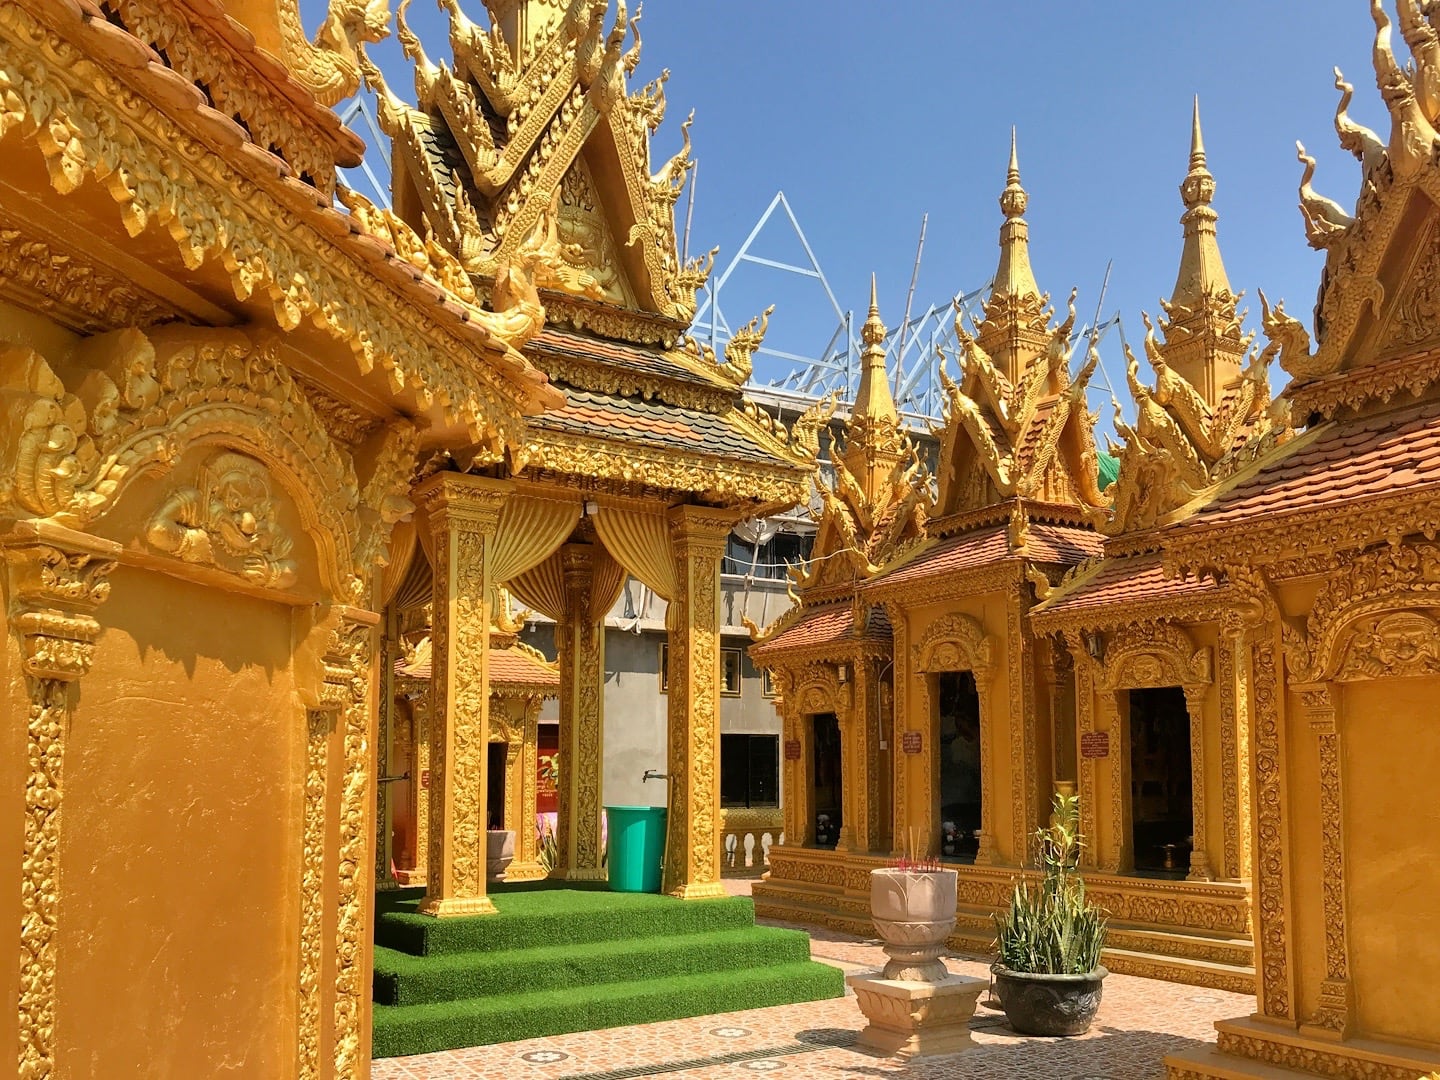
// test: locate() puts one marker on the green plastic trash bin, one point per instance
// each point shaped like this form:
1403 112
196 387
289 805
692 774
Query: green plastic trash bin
636 847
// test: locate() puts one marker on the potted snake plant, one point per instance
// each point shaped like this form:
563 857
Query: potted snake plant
1048 977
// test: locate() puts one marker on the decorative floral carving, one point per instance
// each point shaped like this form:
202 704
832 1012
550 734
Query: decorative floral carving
956 642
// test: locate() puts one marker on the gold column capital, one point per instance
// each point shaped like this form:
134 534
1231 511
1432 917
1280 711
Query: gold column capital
701 526
452 496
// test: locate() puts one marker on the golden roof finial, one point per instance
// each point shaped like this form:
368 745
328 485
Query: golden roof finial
873 332
1014 277
874 443
1203 342
1198 188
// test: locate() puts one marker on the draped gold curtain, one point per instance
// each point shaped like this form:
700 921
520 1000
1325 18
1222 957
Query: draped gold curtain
642 544
542 588
530 530
403 539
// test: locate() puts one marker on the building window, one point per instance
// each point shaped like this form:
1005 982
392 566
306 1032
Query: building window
767 682
771 560
750 770
729 670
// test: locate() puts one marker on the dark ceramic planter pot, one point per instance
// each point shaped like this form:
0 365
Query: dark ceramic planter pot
1049 1004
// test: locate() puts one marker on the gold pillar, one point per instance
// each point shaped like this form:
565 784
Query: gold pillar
1195 695
581 647
858 762
464 512
795 760
385 739
55 586
526 866
692 852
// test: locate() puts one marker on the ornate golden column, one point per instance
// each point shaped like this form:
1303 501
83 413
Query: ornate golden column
57 580
692 852
1195 695
795 753
857 762
526 866
580 640
464 512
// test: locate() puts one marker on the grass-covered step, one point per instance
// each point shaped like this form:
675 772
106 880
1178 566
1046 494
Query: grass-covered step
402 979
539 917
420 1029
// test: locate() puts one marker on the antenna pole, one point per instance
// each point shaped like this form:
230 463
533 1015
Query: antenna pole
690 215
909 300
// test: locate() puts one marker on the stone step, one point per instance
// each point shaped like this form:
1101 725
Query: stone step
1207 1063
1217 949
1231 978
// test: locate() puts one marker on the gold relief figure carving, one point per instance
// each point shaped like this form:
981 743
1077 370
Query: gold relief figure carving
327 67
227 522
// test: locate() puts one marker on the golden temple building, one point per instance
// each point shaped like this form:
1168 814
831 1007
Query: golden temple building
273 459
251 423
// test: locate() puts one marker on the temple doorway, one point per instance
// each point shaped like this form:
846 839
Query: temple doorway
1160 781
961 787
826 781
495 782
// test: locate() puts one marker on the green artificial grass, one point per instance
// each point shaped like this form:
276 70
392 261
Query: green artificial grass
556 958
421 1029
535 918
401 979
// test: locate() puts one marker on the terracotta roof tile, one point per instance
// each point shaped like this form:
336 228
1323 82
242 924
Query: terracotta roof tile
1347 461
508 667
1128 580
1047 543
651 423
639 358
829 625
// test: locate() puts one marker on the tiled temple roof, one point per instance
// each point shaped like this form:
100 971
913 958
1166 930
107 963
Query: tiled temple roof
1342 463
1126 581
832 624
971 550
654 424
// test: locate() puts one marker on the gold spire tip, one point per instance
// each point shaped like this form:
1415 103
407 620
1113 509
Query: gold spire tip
873 332
1197 140
874 301
1013 199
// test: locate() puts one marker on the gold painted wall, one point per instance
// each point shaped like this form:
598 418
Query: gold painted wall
180 855
1390 743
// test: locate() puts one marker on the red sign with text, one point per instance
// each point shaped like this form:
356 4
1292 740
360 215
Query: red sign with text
1095 744
424 777
792 749
911 742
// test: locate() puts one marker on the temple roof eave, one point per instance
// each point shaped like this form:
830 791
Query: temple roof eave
259 233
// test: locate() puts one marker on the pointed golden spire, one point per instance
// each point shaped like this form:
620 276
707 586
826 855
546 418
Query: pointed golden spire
1014 277
873 400
1202 335
874 443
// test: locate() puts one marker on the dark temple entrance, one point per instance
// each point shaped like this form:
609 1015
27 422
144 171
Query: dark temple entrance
825 780
1160 781
961 789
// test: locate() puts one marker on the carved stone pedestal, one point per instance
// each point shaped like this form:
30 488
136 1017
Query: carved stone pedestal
916 1019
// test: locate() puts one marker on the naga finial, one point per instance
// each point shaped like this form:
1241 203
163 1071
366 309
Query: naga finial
1412 137
1363 143
1325 219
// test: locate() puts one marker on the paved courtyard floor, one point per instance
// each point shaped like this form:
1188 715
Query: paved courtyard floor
1140 1021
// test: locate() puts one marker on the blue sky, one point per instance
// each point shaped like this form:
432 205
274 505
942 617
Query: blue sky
869 115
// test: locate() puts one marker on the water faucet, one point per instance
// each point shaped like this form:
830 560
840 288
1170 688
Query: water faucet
652 774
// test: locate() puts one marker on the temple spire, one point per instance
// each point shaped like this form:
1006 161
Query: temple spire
873 441
1014 276
1202 333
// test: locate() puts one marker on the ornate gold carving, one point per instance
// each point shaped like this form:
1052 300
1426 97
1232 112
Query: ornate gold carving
955 642
692 857
84 121
1273 931
70 289
464 513
1154 654
552 97
228 522
319 723
54 592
